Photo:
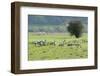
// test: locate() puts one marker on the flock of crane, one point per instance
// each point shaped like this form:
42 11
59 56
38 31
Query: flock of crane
75 43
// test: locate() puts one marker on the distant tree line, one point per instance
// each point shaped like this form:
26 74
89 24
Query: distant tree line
74 28
48 29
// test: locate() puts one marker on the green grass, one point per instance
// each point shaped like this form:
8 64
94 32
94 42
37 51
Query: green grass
51 52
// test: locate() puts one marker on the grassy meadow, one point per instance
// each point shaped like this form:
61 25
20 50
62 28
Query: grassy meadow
51 52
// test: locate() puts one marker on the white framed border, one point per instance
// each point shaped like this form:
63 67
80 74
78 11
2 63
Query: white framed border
25 64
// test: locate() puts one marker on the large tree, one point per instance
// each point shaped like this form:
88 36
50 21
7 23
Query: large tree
75 28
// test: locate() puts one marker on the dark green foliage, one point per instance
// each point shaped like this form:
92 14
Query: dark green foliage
75 28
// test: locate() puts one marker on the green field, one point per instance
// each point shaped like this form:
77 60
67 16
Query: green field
51 52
